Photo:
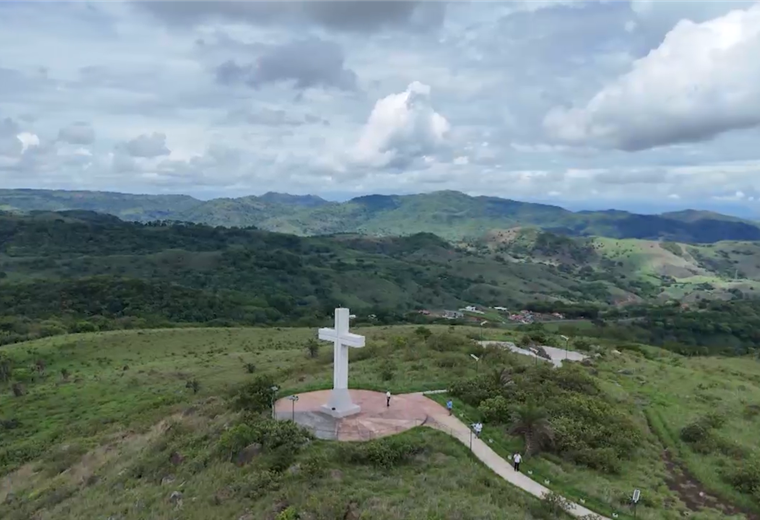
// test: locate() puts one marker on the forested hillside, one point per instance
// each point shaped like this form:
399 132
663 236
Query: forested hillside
78 271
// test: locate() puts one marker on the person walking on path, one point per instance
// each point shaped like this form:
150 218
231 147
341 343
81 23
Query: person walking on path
478 427
388 398
449 405
517 459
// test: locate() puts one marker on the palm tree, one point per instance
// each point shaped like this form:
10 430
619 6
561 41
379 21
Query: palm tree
532 424
502 377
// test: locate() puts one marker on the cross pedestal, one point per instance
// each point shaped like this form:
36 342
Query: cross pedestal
340 405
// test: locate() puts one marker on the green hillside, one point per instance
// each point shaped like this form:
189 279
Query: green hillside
112 424
660 270
78 271
449 214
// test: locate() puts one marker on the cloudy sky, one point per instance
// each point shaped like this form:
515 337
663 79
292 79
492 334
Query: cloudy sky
641 104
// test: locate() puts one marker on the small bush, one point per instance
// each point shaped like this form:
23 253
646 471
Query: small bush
449 360
256 396
475 390
270 433
314 465
385 453
18 389
745 477
496 410
448 342
694 432
387 370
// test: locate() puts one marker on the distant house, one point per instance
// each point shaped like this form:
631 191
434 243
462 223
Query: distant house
501 309
472 308
453 315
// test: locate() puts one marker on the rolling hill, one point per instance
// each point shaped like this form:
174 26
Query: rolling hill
448 214
80 270
75 270
649 268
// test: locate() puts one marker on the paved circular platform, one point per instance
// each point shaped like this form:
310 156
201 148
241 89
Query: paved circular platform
375 419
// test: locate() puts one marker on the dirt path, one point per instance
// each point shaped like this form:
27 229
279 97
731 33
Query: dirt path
693 493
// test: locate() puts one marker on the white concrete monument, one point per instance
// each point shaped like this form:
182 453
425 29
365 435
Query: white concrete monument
340 404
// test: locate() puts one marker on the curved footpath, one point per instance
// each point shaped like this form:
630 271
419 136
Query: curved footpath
460 431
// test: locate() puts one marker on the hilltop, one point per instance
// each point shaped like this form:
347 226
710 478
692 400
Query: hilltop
448 214
126 424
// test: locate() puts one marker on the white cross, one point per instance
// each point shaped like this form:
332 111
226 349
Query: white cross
341 339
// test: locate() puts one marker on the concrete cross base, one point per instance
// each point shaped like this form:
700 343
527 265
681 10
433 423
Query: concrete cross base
340 405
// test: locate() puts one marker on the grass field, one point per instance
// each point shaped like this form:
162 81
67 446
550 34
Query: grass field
102 413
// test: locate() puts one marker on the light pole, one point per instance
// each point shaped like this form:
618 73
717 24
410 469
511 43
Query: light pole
535 354
293 399
567 340
477 362
481 328
274 394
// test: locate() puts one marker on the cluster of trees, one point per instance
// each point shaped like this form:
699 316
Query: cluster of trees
712 327
561 411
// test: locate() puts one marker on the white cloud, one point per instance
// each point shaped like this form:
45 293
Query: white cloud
472 119
28 140
703 80
401 128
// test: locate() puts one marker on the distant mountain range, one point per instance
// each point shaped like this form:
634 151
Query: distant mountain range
448 214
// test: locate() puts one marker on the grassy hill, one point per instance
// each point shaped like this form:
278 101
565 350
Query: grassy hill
651 269
449 214
111 424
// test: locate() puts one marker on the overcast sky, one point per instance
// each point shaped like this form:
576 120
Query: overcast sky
633 104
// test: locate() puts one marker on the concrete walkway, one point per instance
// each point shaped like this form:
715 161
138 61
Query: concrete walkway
461 432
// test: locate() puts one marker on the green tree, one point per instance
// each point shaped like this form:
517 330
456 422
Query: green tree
256 396
532 424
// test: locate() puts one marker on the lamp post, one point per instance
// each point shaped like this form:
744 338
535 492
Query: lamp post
293 399
274 394
567 340
477 362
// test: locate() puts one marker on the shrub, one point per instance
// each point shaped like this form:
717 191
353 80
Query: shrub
745 477
605 460
314 465
423 332
449 360
387 370
273 436
496 410
448 342
17 389
475 390
193 385
256 396
385 453
312 347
